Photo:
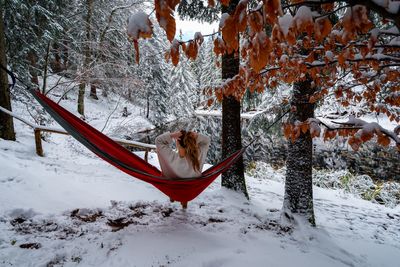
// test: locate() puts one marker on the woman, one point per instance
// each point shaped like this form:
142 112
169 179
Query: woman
188 160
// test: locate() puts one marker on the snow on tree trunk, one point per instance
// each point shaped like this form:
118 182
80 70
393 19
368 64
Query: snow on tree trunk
81 99
298 199
231 130
6 122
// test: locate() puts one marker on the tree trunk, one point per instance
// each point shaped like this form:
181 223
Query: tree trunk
32 58
81 98
93 91
6 122
147 104
86 63
56 65
298 199
231 130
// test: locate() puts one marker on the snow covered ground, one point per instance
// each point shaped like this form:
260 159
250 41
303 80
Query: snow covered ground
70 208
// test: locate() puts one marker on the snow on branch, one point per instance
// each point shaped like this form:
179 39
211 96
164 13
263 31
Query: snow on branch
358 131
369 129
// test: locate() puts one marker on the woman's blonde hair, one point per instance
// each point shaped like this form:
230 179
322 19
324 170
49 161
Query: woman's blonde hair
189 143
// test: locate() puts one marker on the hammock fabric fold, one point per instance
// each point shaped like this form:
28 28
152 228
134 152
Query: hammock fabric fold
180 189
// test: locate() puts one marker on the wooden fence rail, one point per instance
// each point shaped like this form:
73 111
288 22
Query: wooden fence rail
38 129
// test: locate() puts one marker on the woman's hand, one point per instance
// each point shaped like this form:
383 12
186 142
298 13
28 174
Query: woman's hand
176 135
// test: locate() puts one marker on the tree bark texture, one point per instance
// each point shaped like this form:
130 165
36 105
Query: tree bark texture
6 122
93 91
298 197
86 62
231 129
33 68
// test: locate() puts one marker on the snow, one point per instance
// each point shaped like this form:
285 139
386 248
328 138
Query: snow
392 6
224 16
285 23
303 16
217 113
39 198
329 55
139 23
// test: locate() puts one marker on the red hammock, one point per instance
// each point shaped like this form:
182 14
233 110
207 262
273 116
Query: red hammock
182 189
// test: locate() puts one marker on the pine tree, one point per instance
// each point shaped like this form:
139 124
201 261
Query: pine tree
210 75
183 87
31 26
155 74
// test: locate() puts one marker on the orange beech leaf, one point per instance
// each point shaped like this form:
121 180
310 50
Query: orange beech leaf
272 9
328 7
295 133
304 127
230 34
243 53
343 132
291 38
260 52
210 101
315 130
304 20
324 27
183 45
364 51
255 21
310 58
277 35
366 135
287 130
225 2
211 3
167 55
198 38
164 14
341 59
174 52
329 134
392 75
354 142
240 15
219 46
172 3
362 21
339 92
191 50
136 45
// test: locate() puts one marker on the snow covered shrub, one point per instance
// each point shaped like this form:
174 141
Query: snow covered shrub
329 179
261 171
385 193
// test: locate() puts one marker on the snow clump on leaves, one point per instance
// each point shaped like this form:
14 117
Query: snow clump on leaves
139 26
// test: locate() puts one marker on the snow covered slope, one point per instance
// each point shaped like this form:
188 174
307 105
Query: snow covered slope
70 208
